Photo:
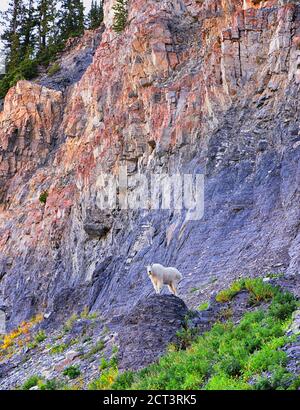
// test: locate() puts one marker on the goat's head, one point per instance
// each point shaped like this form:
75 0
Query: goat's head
149 270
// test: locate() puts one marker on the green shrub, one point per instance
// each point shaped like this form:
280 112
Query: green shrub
104 364
280 379
70 322
93 315
203 306
115 349
72 372
43 197
109 373
97 347
185 336
230 365
295 385
58 348
42 384
85 314
225 313
31 382
266 359
26 70
193 290
105 381
51 384
283 305
225 382
258 289
53 69
228 294
40 336
123 381
32 345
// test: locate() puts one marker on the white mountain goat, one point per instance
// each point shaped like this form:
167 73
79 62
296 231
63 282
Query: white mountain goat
161 276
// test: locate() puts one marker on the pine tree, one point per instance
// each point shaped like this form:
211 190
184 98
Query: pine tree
71 22
48 42
18 39
27 29
95 15
120 15
11 21
33 31
46 16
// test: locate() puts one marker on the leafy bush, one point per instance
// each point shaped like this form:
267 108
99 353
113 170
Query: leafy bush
194 289
59 348
72 372
53 69
108 375
40 336
70 322
42 384
258 289
228 294
31 382
43 197
266 359
85 314
283 305
19 336
26 70
95 349
203 306
123 381
106 379
185 336
278 380
225 313
115 349
52 384
225 382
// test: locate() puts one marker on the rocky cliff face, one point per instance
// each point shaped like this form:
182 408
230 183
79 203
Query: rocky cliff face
189 86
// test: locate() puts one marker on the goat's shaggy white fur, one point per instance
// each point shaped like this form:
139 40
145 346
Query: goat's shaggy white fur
160 276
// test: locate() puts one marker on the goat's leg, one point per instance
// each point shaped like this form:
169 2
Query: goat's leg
173 287
156 287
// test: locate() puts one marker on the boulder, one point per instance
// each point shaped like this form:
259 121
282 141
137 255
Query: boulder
148 329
